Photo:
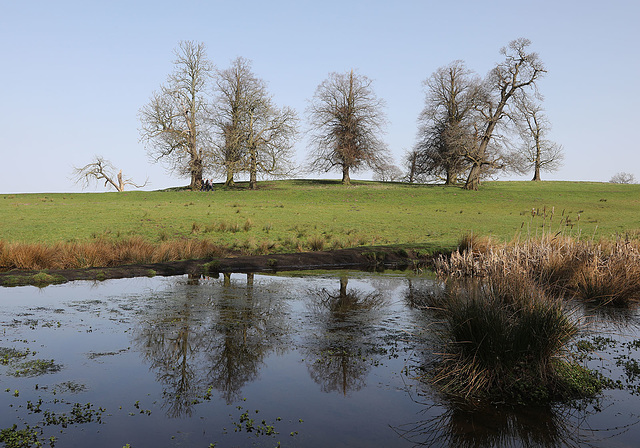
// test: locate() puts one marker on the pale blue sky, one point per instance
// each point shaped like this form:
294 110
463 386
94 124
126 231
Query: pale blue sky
75 73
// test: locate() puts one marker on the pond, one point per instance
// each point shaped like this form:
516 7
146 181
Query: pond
293 360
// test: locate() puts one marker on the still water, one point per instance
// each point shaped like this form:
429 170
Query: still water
256 360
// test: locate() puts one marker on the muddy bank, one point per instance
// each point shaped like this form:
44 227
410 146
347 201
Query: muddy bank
356 258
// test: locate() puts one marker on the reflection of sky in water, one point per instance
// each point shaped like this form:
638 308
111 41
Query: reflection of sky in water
172 360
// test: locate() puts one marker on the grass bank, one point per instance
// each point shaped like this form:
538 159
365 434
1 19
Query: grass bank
301 215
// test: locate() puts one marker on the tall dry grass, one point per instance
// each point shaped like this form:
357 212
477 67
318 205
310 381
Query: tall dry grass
101 253
602 272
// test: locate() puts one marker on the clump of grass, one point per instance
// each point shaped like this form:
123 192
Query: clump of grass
265 247
316 243
248 224
503 340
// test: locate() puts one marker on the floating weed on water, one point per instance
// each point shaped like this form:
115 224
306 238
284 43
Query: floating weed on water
35 367
69 387
23 438
8 354
247 424
79 414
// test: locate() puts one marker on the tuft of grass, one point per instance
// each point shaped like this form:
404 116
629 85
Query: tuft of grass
503 340
316 243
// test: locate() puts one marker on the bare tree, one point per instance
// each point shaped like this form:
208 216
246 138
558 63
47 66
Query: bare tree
270 136
518 73
234 84
447 124
537 151
176 122
346 119
387 172
102 170
623 178
255 136
410 163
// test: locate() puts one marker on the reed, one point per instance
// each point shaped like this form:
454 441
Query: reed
605 272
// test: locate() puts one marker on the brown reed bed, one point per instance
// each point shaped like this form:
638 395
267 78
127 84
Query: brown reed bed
102 253
604 272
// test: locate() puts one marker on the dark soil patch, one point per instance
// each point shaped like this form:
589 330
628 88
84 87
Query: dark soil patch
378 257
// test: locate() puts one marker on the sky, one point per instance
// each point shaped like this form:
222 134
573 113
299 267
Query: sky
74 74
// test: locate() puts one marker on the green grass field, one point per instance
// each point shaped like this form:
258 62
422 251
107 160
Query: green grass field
283 214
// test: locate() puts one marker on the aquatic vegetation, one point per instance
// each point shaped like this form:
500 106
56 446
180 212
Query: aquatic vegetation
8 354
23 438
35 367
504 339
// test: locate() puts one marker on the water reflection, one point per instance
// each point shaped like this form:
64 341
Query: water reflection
461 426
209 335
341 352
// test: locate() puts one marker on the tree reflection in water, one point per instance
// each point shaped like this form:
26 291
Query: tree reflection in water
209 334
341 353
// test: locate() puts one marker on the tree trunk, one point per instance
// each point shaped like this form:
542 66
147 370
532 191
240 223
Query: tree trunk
253 171
196 176
229 182
346 180
120 186
452 178
473 181
536 175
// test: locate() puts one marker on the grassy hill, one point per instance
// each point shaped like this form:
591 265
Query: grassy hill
309 214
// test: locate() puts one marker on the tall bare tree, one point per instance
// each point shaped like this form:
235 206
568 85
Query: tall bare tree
518 73
347 120
537 151
102 170
175 125
447 124
270 136
254 135
234 84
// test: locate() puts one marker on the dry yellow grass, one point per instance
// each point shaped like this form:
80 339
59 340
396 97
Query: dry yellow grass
101 253
606 271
